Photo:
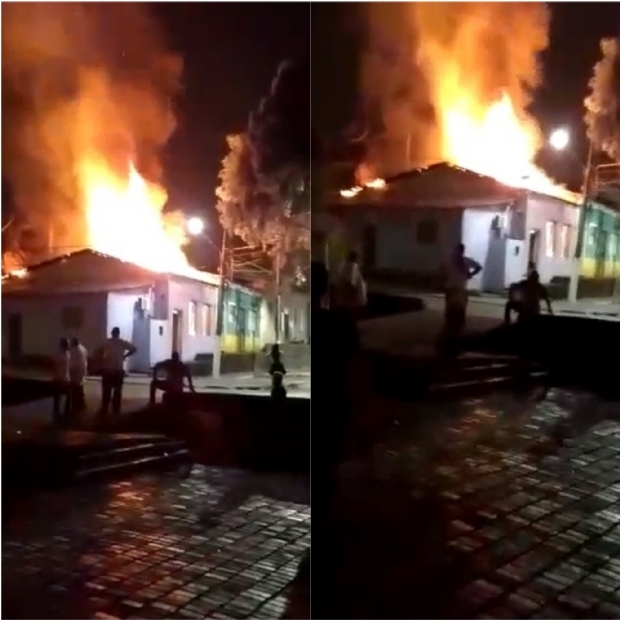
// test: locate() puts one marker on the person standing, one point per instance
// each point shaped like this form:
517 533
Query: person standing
78 369
60 409
348 286
459 270
113 353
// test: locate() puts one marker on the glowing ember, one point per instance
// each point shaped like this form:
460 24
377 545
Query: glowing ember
354 191
124 218
376 184
494 142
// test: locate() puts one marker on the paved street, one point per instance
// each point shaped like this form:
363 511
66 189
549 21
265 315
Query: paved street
415 333
135 549
472 512
33 416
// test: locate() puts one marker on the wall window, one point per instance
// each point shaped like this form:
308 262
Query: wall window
231 318
206 322
72 317
592 234
191 318
427 232
565 241
550 239
252 322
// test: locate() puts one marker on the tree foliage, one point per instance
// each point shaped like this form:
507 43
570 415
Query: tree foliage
603 102
264 190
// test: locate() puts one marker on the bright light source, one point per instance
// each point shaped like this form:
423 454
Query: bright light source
195 226
559 139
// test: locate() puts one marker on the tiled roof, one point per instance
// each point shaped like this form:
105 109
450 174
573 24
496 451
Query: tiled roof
442 184
438 185
87 271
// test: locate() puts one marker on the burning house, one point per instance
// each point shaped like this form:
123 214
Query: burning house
405 228
86 293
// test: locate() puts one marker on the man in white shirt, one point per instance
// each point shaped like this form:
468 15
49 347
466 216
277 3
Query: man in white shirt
113 354
78 369
60 381
459 270
349 287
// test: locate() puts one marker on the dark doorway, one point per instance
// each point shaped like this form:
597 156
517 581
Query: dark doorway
177 331
15 336
533 247
369 249
286 326
241 329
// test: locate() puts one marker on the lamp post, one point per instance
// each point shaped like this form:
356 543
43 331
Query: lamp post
195 227
219 329
573 288
560 140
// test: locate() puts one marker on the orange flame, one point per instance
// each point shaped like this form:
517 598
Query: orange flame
495 142
124 219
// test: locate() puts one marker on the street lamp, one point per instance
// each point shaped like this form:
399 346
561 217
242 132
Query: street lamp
195 226
560 140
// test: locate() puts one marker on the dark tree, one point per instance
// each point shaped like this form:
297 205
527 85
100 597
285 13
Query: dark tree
264 192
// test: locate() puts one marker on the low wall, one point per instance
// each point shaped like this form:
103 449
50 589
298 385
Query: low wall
578 351
230 363
255 432
587 287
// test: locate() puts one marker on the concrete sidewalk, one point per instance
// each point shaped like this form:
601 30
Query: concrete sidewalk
596 308
28 419
32 417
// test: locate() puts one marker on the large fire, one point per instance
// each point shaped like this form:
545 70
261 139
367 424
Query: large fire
124 219
495 142
492 141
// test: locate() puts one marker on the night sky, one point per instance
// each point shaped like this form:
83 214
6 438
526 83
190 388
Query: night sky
576 29
231 52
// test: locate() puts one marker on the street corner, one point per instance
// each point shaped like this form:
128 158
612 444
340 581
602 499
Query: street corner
145 548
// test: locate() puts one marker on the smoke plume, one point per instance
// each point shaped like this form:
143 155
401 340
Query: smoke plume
423 58
80 80
602 110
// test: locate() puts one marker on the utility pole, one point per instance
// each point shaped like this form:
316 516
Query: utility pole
219 329
583 211
278 316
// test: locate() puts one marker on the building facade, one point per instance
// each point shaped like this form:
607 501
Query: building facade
86 294
406 232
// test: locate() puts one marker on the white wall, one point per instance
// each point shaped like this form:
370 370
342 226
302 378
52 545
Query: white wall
181 292
486 246
42 320
397 246
296 305
160 344
515 250
541 210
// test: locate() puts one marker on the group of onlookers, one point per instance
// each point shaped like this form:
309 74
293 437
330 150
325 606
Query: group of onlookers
71 366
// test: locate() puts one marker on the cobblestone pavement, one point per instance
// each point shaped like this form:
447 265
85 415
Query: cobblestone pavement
136 549
472 510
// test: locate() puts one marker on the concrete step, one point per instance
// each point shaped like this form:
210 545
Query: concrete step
410 379
124 459
64 457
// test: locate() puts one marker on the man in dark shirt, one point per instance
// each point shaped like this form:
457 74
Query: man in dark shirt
176 372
